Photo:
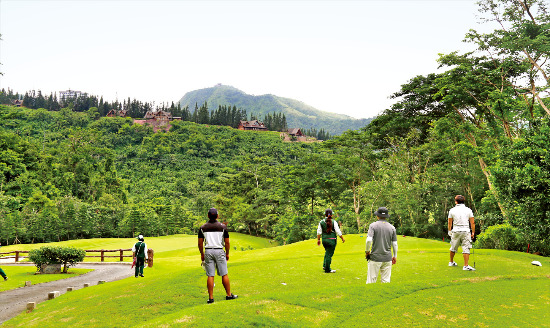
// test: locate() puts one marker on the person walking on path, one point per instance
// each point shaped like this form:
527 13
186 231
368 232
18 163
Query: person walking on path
213 238
461 218
140 255
328 229
2 273
382 237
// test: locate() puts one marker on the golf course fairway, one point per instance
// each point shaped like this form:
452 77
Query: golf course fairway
284 286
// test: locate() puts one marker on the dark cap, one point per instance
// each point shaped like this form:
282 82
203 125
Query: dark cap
212 213
382 212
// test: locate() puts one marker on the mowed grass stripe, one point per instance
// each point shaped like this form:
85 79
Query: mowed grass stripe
285 286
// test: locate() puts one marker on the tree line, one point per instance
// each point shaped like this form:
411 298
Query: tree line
320 134
224 115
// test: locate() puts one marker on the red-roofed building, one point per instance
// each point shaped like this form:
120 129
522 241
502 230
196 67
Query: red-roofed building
158 120
252 125
295 132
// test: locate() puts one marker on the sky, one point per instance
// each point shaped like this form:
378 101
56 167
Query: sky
344 57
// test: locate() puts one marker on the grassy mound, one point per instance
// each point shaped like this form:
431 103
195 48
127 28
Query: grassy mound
285 286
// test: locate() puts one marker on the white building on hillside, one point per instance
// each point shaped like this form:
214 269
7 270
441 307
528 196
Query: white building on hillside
71 94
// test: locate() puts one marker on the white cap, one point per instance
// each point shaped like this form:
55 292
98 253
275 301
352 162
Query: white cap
537 263
140 237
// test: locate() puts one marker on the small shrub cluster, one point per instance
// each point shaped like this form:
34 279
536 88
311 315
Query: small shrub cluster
55 254
501 236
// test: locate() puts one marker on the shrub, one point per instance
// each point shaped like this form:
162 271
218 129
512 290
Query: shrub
500 236
487 220
54 254
70 256
302 228
38 257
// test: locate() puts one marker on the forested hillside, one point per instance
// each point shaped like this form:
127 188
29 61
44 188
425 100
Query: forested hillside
480 128
298 114
67 175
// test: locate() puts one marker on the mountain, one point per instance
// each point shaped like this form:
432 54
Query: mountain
298 114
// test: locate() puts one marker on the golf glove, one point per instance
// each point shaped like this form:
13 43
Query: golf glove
450 233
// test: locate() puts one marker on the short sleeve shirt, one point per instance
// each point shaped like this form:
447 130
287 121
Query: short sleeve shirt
383 234
214 234
461 217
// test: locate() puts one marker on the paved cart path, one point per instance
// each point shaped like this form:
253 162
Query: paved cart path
13 302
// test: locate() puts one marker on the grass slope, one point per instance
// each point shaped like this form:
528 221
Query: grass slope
17 275
285 287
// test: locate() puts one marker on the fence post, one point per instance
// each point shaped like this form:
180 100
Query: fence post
16 256
121 252
102 255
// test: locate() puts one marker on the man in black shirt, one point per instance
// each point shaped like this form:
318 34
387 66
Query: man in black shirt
213 238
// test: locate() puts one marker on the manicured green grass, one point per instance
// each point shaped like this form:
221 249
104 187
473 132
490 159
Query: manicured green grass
169 246
17 275
285 287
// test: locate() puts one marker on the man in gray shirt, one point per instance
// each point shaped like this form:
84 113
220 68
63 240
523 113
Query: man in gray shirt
382 237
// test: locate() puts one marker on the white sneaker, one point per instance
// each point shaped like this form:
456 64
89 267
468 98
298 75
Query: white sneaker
452 264
468 268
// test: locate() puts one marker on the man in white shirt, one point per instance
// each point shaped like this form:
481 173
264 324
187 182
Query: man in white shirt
461 218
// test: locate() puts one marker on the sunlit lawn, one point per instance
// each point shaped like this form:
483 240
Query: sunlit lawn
285 286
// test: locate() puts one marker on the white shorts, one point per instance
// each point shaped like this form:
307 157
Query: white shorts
461 238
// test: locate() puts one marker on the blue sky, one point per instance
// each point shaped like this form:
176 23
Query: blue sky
345 57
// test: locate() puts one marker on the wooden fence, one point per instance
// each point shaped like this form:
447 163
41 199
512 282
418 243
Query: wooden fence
121 255
17 255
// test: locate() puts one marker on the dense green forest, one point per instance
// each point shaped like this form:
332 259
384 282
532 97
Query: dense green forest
480 128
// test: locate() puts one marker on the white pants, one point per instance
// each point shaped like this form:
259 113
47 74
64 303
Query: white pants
383 267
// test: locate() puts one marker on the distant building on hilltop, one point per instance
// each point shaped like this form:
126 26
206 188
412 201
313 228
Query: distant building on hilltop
252 125
158 120
71 94
119 113
295 132
17 102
